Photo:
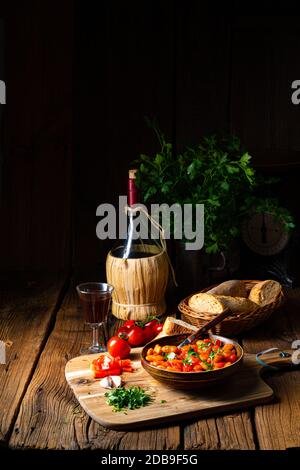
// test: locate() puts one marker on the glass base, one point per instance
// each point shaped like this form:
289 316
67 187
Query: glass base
93 350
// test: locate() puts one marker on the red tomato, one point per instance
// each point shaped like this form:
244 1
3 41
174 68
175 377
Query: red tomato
123 331
152 322
218 343
226 355
233 358
129 324
148 333
157 328
219 365
99 373
136 336
118 347
194 360
126 365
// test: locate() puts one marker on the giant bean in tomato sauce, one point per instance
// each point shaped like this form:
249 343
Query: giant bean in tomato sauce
203 355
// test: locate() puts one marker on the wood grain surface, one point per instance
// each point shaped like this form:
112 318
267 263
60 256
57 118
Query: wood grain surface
278 424
26 312
51 418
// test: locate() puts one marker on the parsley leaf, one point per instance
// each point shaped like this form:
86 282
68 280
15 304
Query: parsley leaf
122 398
192 353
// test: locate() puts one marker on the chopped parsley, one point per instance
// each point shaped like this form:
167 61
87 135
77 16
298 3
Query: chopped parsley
188 361
122 398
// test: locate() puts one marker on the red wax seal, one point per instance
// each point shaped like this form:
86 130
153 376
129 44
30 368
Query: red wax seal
132 189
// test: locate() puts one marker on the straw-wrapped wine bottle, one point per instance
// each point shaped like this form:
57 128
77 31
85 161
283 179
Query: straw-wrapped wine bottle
137 267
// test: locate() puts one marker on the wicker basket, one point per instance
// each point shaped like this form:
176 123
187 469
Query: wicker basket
234 324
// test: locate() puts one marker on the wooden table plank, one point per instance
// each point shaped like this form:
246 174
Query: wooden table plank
229 432
49 416
278 424
26 311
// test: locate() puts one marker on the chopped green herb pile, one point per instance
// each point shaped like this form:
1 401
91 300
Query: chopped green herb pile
122 398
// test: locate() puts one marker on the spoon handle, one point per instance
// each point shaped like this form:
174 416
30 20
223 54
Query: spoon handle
204 329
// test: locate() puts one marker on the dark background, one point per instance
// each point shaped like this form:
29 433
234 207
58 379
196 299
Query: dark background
81 77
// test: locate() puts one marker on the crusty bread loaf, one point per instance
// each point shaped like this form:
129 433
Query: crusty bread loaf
210 303
237 304
172 326
265 292
203 302
233 288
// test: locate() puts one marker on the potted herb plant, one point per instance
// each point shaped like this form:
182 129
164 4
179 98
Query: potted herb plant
218 173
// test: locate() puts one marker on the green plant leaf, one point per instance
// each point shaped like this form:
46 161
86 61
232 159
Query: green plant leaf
245 159
224 185
216 172
158 159
232 169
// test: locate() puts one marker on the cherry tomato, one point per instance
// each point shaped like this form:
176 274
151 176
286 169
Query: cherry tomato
157 328
151 322
123 330
227 355
118 347
233 358
129 324
149 329
148 333
136 336
218 343
219 365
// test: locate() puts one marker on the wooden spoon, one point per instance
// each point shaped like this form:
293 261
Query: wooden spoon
204 329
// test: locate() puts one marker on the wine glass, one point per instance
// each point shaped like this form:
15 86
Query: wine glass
95 300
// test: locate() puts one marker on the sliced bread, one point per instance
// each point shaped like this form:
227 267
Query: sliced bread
265 292
237 304
203 302
172 326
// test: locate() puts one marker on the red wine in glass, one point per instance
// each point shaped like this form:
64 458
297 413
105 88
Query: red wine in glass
95 298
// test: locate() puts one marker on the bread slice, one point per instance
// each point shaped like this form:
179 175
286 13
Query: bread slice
237 304
210 303
233 288
172 326
203 302
265 292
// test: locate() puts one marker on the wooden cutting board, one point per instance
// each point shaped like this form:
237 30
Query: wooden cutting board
244 389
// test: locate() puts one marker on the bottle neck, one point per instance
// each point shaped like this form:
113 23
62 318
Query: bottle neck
132 192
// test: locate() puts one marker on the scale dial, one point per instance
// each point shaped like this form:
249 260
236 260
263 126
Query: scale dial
264 234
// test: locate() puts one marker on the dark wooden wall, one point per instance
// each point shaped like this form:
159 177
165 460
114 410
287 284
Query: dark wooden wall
193 67
36 135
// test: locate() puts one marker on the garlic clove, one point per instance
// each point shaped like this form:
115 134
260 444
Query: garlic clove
111 381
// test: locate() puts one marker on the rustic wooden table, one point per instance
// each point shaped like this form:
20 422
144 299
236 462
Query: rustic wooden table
42 319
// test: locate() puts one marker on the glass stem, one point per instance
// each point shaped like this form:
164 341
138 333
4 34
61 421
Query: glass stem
95 336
